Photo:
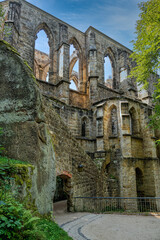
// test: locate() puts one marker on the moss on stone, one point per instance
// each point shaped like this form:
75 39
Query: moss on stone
9 47
12 49
23 178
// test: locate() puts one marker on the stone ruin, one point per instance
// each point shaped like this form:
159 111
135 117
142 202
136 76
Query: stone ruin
102 125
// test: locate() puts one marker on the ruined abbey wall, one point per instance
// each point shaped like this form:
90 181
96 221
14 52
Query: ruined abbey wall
108 118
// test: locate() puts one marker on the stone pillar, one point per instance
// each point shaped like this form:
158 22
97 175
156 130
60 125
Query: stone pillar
63 65
63 91
125 130
93 77
63 53
92 67
126 146
51 72
12 24
93 88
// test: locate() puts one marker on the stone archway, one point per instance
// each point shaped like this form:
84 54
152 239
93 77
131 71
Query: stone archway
62 197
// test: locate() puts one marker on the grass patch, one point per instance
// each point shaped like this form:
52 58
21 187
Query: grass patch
5 160
51 230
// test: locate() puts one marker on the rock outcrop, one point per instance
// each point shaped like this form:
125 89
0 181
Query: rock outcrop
34 132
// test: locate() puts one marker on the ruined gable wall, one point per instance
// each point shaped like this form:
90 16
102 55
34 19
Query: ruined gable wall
33 19
100 46
118 54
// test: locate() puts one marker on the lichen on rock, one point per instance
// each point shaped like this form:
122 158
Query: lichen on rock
25 131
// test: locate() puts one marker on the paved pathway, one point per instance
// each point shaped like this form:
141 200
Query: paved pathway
86 226
74 227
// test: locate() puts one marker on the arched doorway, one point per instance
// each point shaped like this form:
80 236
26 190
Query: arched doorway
139 183
62 198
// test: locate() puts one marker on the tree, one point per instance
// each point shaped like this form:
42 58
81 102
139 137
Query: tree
146 51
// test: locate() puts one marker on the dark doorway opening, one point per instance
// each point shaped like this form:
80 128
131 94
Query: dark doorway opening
139 183
61 201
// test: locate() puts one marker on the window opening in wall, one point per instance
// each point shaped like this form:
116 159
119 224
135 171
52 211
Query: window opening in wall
132 123
73 85
83 128
100 127
74 68
41 57
108 72
114 122
124 107
123 74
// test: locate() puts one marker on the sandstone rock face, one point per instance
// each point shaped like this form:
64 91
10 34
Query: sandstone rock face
34 132
26 136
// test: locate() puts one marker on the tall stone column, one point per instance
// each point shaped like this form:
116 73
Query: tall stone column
63 53
63 65
92 67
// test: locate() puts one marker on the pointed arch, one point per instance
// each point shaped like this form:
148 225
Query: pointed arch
76 44
43 68
43 26
75 58
109 53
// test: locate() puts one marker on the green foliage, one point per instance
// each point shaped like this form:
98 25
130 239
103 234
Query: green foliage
146 52
6 172
15 221
51 230
5 160
18 223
